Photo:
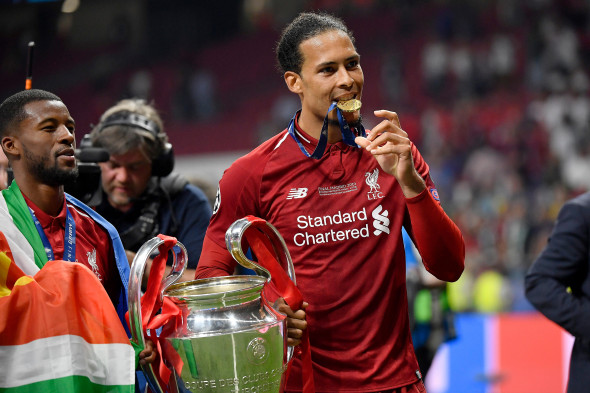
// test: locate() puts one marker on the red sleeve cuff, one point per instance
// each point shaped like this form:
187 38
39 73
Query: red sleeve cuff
437 238
215 260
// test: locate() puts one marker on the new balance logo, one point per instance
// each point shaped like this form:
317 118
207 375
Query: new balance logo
297 193
380 221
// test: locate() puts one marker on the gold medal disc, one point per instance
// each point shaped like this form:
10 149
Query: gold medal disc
349 105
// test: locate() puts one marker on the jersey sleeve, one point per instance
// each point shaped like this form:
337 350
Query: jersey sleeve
215 261
436 236
237 197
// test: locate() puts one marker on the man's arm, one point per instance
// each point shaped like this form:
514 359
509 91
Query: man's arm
437 238
564 264
215 261
434 232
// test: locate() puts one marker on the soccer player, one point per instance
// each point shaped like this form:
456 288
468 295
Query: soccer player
340 196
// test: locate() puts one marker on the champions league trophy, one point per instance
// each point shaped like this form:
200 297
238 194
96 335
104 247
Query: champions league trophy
220 334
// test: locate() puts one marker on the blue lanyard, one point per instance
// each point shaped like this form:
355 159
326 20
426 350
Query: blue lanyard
69 238
347 134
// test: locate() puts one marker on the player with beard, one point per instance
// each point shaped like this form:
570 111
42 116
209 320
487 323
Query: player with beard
37 135
340 195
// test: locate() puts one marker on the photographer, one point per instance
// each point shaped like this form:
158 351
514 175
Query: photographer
141 197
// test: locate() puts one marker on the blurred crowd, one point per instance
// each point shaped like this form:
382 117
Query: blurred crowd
494 93
503 121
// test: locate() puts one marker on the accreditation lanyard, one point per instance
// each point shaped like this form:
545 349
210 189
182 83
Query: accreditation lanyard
347 134
69 238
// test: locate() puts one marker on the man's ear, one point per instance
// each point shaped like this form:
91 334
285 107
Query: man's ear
9 145
293 81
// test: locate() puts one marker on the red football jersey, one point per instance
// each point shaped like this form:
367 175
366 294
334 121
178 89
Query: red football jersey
93 243
341 218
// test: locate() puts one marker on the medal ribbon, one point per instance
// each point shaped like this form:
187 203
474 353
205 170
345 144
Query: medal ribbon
286 288
347 134
69 238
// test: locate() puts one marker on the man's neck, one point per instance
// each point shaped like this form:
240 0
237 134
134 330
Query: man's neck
50 199
121 208
313 127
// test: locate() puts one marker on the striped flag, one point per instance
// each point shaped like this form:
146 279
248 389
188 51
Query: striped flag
59 332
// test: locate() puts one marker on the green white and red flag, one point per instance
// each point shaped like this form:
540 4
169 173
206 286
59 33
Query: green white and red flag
59 331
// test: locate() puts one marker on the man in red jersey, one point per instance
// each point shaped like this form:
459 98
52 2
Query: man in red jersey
37 135
340 198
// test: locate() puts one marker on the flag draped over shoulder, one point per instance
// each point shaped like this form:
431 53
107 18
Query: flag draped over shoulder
59 331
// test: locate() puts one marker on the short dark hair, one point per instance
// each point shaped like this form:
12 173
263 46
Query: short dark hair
12 110
303 27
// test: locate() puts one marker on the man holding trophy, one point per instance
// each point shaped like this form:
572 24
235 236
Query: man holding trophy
339 195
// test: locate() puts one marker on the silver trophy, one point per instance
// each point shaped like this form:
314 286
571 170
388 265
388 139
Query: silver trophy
230 338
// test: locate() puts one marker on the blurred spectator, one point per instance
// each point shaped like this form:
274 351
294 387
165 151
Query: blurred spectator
202 92
392 77
491 292
502 58
140 84
435 61
461 68
194 98
560 45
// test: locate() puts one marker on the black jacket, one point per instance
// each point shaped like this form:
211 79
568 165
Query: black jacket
558 284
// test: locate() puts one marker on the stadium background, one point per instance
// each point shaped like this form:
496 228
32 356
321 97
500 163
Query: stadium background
493 92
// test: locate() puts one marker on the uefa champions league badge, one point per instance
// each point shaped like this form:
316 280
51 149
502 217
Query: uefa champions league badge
434 194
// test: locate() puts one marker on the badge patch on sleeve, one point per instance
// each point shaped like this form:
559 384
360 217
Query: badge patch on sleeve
434 194
217 201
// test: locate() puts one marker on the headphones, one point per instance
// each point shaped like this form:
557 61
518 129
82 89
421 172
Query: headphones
163 164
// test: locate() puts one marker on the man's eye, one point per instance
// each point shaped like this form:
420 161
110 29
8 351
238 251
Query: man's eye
353 64
327 70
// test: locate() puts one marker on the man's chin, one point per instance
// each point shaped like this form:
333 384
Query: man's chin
58 177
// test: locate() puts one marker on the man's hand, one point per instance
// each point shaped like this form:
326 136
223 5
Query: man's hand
148 355
296 322
390 145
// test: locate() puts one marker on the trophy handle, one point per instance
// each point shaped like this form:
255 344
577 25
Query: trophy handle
134 295
233 241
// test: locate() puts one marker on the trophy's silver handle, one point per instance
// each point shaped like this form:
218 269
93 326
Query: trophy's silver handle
134 295
233 241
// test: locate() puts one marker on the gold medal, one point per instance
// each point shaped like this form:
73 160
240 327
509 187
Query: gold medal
349 105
